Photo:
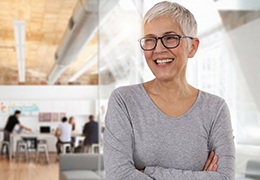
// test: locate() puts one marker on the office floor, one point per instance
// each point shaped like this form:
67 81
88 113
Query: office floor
22 170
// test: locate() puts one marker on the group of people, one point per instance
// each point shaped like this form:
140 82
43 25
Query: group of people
64 133
165 128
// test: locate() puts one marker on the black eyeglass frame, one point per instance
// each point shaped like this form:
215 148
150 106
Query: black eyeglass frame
161 38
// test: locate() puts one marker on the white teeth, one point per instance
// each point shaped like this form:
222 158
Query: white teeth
163 61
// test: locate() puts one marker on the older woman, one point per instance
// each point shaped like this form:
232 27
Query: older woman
165 128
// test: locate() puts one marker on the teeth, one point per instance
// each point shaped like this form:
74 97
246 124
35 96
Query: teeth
163 61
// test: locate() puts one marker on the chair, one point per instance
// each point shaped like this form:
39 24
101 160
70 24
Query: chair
42 145
93 146
81 166
253 169
64 148
6 144
22 144
89 148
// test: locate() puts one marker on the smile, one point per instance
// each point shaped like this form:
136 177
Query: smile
163 61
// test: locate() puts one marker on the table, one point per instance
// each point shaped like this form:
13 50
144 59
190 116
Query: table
78 137
50 138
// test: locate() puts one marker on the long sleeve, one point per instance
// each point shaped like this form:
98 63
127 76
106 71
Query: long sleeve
85 130
118 143
221 140
139 135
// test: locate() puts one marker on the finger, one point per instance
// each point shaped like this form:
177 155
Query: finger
215 167
209 160
213 162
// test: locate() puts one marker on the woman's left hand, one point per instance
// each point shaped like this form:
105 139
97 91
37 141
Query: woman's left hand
211 164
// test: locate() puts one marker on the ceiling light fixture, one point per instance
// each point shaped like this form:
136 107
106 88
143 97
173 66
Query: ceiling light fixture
19 35
107 49
88 65
82 26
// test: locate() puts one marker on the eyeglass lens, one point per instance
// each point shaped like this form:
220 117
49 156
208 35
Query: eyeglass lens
169 41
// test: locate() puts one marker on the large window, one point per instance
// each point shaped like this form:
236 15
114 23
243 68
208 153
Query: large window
224 64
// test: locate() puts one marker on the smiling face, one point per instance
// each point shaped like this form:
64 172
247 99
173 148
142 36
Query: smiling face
168 64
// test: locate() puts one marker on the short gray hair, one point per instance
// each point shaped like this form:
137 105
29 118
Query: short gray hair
181 15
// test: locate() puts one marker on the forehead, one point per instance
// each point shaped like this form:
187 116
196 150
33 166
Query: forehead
160 26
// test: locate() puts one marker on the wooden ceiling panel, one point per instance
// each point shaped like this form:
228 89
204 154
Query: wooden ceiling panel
46 23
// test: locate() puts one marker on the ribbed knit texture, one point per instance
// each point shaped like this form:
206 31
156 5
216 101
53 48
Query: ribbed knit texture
139 135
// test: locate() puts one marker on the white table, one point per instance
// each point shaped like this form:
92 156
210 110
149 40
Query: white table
50 138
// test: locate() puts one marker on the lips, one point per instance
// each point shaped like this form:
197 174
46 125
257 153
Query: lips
163 61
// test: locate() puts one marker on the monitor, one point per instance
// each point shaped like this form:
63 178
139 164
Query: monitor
45 129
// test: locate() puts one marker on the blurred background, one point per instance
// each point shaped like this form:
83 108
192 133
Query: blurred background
52 52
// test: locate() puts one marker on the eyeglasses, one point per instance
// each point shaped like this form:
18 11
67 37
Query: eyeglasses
169 41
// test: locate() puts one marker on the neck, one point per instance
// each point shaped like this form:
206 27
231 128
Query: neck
173 90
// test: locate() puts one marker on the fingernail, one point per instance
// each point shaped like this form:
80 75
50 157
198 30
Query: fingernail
215 157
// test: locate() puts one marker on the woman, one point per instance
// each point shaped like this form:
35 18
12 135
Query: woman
165 128
73 124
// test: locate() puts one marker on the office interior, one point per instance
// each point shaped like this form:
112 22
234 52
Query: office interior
67 56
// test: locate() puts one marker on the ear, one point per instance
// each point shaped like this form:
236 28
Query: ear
193 47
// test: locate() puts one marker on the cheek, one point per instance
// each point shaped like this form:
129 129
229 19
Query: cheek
147 55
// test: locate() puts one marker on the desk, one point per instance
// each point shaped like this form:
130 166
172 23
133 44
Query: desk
31 142
78 137
51 140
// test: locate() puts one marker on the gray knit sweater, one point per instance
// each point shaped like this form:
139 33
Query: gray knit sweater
139 135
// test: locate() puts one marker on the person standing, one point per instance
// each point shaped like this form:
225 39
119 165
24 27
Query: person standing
12 121
10 124
63 132
165 128
90 131
73 124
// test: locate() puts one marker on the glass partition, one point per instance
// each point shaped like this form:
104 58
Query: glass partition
225 63
120 60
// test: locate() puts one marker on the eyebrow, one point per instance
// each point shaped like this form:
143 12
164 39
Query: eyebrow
168 32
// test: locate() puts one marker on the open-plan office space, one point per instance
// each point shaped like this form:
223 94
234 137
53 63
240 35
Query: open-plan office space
65 57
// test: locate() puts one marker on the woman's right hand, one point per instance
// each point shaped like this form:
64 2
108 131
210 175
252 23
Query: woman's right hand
211 163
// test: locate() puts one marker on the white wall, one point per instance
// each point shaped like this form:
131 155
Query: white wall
77 101
245 40
48 92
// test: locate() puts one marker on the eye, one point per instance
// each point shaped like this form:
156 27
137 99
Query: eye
148 40
171 38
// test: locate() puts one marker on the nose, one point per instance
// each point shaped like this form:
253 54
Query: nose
160 47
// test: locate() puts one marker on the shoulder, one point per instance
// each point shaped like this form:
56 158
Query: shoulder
126 92
69 126
59 126
212 104
66 125
86 124
211 99
127 89
127 96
